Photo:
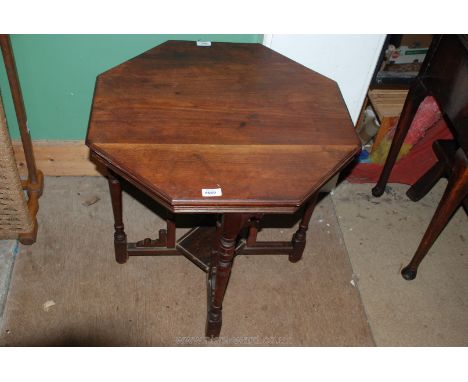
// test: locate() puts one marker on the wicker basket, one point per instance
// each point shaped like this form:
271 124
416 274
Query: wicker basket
14 213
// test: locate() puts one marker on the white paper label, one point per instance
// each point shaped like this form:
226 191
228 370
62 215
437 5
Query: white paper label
208 192
203 43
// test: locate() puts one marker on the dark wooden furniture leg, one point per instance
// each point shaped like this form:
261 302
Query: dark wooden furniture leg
455 193
171 231
254 224
220 269
299 238
120 238
445 151
416 95
424 184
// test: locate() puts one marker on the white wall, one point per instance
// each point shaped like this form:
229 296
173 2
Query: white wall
350 60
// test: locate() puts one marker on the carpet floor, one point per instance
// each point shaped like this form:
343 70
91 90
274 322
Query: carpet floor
381 236
68 290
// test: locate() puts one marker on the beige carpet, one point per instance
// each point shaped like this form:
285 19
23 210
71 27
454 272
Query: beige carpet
381 235
68 290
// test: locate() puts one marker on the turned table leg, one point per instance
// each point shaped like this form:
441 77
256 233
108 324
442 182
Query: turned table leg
120 238
299 238
455 193
220 270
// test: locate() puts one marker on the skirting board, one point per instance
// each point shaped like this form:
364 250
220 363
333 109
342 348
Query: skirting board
58 158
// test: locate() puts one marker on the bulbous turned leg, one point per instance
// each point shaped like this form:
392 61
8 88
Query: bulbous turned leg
220 270
415 96
455 193
120 238
299 238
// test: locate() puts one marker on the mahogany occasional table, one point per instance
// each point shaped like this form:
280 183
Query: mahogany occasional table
234 130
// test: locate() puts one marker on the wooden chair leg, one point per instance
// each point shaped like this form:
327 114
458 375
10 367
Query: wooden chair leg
299 238
120 238
424 184
415 96
455 193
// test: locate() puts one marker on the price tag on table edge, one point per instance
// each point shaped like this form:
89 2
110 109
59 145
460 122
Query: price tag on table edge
210 192
203 43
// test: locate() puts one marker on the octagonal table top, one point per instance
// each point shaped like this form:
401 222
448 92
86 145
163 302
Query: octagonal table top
254 126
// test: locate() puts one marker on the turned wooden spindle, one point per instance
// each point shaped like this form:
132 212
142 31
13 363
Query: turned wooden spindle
299 238
120 238
254 225
225 251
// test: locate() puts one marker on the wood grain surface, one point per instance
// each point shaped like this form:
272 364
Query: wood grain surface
242 117
387 103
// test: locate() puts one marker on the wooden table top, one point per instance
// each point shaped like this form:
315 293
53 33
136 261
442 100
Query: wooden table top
180 118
